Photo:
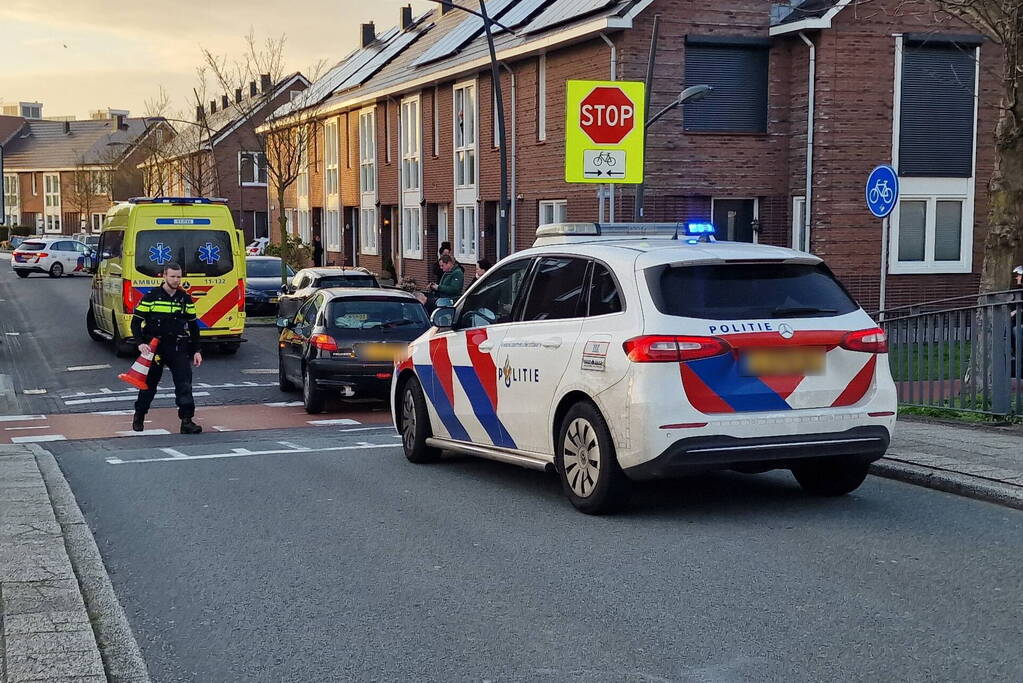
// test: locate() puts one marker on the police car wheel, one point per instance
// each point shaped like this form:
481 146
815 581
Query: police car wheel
230 348
56 270
22 273
312 398
831 477
585 460
90 325
414 424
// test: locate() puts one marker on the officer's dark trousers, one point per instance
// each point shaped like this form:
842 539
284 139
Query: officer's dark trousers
179 360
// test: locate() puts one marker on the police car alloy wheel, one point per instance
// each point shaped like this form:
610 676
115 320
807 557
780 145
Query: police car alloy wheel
586 462
414 424
56 270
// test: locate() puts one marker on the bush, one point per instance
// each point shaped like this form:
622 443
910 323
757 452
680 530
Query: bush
295 253
5 233
22 230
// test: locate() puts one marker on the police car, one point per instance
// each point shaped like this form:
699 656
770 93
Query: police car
619 352
51 256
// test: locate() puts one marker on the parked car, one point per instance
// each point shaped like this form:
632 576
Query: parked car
91 241
263 284
257 247
346 340
17 240
308 280
52 256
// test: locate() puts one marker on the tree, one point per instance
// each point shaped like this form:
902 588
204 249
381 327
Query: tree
87 182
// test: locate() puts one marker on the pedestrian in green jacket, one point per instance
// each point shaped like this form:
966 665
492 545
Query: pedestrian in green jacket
453 280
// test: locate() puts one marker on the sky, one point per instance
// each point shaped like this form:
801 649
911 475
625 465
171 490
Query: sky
78 55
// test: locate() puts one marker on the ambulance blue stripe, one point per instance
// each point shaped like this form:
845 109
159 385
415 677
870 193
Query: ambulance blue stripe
444 409
481 406
744 394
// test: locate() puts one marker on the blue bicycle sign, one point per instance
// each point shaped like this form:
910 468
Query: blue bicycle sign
882 191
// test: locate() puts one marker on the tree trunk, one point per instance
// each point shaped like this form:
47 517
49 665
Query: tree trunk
282 219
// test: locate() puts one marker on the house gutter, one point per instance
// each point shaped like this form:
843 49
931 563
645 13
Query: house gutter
811 82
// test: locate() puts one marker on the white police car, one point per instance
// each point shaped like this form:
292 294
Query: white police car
636 351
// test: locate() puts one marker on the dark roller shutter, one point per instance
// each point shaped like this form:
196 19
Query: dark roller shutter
936 122
737 70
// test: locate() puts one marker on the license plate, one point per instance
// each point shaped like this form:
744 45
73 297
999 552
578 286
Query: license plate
273 299
780 362
381 352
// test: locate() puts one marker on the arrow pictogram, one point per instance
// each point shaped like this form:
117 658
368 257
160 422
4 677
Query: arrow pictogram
612 173
597 173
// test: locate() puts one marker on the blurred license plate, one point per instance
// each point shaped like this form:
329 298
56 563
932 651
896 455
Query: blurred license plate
381 352
767 362
273 299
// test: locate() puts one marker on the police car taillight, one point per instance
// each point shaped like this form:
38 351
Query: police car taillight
873 340
664 349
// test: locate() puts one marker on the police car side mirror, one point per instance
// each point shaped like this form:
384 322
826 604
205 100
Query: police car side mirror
443 317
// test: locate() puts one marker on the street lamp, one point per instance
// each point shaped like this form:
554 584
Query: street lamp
693 93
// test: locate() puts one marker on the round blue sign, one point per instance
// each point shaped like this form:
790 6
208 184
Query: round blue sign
882 190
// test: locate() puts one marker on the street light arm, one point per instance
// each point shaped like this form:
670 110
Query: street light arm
478 14
691 94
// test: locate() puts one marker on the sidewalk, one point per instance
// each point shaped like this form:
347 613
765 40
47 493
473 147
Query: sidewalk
980 461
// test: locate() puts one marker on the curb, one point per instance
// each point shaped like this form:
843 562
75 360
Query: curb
960 484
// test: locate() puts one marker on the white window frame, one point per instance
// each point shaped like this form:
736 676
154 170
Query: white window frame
51 203
799 224
387 133
305 225
331 186
367 151
411 141
412 232
556 209
541 99
442 224
496 132
255 159
35 185
12 198
97 222
302 183
332 229
466 239
462 146
368 232
932 190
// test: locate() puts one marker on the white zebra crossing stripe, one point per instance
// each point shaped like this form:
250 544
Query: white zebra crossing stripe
38 439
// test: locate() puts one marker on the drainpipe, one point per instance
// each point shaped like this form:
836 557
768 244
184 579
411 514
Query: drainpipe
811 86
512 193
610 186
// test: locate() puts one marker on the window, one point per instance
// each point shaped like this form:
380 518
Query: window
35 185
411 232
442 224
305 227
737 70
387 134
292 222
541 98
303 164
97 221
465 135
375 314
261 226
930 230
466 234
51 190
368 231
557 289
494 114
555 211
367 152
436 121
800 231
410 144
110 242
205 252
11 200
604 296
493 301
332 229
330 184
251 168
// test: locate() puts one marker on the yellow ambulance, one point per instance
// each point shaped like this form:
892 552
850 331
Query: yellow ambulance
139 237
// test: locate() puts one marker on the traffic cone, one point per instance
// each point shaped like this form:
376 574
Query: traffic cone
139 370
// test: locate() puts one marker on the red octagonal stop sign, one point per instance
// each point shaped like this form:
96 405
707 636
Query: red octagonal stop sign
607 115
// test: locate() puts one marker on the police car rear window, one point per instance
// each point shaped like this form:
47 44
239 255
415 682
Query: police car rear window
32 246
199 252
748 290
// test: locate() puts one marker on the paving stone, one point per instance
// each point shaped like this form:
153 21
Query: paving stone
24 494
36 597
47 622
81 640
35 561
26 531
24 668
15 511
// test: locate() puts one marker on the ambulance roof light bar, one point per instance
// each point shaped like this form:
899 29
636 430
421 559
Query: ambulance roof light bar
701 230
177 200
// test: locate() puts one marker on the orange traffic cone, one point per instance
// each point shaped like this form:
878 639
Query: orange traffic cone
139 370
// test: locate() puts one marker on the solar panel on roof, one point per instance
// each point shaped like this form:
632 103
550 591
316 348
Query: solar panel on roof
383 57
521 13
565 10
461 35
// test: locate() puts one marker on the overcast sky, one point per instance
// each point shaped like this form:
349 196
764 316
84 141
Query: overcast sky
79 55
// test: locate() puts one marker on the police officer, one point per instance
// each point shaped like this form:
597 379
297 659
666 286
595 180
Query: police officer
167 313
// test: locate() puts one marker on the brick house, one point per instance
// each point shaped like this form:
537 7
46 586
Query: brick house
60 177
408 149
220 155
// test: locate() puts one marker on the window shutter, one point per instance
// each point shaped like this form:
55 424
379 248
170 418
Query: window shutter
936 121
738 74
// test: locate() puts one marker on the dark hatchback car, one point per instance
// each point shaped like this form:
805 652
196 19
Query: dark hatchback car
263 284
345 341
309 280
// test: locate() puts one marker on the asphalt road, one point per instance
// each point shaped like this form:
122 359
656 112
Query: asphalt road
352 564
42 334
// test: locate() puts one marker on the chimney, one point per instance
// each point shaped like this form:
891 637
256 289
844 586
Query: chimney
265 84
225 101
199 112
445 6
237 95
253 90
406 17
67 128
369 33
213 106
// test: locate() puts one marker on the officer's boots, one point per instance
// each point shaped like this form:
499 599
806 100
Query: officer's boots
189 427
138 423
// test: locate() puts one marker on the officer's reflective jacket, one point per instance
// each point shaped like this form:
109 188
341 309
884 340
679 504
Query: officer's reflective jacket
168 317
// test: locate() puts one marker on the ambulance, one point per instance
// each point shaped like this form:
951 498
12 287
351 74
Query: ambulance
142 235
611 353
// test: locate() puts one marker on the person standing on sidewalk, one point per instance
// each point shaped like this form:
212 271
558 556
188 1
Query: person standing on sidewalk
167 313
317 251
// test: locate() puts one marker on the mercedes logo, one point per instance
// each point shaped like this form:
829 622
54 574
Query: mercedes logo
786 331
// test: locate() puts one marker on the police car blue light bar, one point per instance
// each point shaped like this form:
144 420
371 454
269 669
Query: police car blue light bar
696 228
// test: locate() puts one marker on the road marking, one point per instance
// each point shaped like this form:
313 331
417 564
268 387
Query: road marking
222 429
211 456
259 371
17 429
292 445
13 334
144 432
33 391
173 453
75 368
110 399
230 385
340 421
112 412
21 418
241 451
37 439
284 404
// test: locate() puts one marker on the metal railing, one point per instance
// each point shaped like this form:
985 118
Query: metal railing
960 353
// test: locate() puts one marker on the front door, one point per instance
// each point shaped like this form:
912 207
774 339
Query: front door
733 219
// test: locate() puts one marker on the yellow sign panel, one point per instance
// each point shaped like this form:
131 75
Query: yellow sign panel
604 132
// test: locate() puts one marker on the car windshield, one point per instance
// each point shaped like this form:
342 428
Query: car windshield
346 281
361 314
32 246
271 268
198 252
748 290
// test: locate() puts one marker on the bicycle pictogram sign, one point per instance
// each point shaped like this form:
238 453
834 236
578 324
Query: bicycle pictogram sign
882 191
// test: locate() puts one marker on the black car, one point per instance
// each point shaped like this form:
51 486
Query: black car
309 280
263 284
345 341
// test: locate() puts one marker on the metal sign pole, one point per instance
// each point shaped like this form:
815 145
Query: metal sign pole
884 262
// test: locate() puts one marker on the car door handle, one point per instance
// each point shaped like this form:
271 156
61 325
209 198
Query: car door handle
551 343
486 346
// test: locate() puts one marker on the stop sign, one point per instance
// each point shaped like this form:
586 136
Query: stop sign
607 115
